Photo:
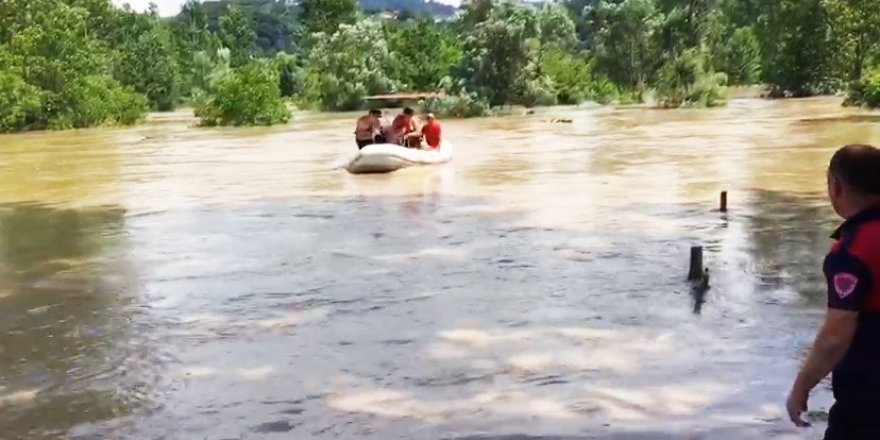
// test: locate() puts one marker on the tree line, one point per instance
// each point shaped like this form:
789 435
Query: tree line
80 63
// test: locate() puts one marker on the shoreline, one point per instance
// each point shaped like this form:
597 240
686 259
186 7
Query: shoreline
185 114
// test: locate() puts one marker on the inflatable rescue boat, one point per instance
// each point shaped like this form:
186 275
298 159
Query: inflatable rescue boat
385 158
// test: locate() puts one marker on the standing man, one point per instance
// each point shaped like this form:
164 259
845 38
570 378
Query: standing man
367 128
849 341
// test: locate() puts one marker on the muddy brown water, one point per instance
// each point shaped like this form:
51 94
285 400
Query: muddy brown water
170 282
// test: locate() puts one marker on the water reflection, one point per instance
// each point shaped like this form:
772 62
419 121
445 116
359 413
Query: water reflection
80 166
64 320
789 236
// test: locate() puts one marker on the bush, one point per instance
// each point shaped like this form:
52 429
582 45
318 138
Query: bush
95 100
603 91
19 102
865 91
685 81
462 105
248 96
538 92
571 74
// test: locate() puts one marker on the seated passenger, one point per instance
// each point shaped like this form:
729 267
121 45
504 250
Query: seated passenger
367 129
431 132
402 127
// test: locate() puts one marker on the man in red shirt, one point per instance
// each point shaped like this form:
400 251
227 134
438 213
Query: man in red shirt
848 343
402 127
431 131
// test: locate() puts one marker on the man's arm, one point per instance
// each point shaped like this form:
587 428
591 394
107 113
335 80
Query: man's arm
831 344
849 283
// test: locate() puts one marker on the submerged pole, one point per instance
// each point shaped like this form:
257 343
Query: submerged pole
723 201
696 270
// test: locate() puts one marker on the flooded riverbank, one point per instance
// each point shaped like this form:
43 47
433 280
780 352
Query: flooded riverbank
172 282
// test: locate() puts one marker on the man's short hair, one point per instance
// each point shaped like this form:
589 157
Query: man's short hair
375 112
858 166
408 111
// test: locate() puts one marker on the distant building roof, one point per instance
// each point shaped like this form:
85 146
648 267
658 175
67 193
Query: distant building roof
406 96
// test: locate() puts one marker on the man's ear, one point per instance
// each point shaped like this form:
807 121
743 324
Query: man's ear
837 188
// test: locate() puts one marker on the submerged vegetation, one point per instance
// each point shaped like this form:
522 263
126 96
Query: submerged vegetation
80 63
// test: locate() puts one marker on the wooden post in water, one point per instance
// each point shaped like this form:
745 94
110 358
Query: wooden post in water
723 201
696 270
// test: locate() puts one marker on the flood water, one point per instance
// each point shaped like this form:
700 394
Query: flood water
170 282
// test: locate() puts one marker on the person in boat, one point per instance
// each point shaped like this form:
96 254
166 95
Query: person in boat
431 132
368 129
402 127
848 343
385 128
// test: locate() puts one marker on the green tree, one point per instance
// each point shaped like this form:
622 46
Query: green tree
581 13
498 54
571 74
626 46
208 69
856 30
147 62
427 53
866 90
326 16
93 100
191 34
247 96
686 24
344 67
741 57
556 26
19 102
48 45
237 35
475 12
687 80
290 78
796 47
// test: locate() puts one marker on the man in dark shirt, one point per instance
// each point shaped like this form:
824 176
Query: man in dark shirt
849 341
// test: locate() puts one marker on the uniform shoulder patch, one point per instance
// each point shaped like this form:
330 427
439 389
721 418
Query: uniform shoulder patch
845 284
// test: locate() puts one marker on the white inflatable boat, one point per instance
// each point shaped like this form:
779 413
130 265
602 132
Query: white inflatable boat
385 158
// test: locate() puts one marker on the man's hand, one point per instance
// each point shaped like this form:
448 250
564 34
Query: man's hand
797 405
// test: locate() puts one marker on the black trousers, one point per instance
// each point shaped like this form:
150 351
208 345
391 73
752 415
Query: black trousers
378 139
853 423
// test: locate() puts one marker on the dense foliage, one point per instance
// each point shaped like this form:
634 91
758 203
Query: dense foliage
79 63
347 65
54 69
246 96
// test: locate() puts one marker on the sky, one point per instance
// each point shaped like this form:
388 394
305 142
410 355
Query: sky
172 7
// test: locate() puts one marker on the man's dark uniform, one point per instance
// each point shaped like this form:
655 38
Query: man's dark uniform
852 269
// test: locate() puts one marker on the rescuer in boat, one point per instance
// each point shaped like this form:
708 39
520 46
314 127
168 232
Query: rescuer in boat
430 132
401 129
848 343
369 129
